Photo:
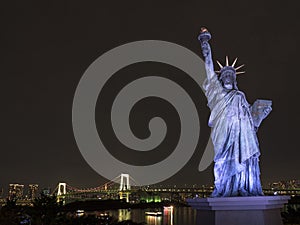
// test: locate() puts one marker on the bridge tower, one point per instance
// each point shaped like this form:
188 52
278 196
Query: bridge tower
61 192
124 190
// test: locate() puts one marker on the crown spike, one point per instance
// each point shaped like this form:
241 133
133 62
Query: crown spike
237 73
239 67
220 65
227 63
234 62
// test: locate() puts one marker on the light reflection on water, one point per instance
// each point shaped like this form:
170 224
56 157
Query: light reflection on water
153 220
170 216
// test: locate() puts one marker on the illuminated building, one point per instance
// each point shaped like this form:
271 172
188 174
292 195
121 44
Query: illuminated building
32 191
15 191
46 191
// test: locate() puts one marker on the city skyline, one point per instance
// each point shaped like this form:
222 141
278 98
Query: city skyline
46 47
30 191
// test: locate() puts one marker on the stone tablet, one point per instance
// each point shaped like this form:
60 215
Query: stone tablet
260 110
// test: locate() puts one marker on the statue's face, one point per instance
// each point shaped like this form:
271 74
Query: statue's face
228 80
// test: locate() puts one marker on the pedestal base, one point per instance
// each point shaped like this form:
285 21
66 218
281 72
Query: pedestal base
257 210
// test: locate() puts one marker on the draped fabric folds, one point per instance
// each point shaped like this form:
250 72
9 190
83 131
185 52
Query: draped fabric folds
235 142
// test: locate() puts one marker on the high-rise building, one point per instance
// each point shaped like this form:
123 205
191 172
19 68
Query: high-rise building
32 191
15 191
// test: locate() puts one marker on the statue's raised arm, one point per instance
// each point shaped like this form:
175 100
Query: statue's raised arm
204 37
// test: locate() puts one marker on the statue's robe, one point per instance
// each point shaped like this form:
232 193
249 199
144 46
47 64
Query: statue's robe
235 142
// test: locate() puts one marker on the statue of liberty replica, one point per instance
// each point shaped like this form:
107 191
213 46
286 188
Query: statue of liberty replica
234 123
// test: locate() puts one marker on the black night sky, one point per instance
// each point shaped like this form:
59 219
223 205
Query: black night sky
47 45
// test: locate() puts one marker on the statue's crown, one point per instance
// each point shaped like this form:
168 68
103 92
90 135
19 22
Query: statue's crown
229 68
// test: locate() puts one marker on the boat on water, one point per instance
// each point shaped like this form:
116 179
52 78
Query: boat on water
80 212
153 213
102 215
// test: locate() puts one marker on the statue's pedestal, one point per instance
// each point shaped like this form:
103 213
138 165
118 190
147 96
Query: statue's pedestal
256 210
